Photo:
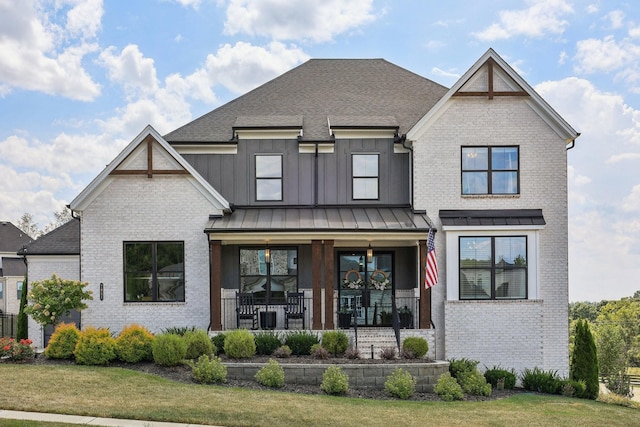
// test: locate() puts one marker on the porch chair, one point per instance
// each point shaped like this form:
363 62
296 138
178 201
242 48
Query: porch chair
295 308
246 309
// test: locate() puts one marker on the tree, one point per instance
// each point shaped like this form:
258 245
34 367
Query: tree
624 313
612 358
53 298
583 310
27 225
636 294
23 320
61 217
584 360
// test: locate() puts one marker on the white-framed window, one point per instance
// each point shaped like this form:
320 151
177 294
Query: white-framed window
490 170
268 177
493 262
365 176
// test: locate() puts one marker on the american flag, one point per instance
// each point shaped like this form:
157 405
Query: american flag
431 270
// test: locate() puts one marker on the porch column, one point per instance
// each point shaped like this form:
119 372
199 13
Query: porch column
215 285
425 294
328 284
316 282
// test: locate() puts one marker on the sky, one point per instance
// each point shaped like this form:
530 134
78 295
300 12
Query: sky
79 79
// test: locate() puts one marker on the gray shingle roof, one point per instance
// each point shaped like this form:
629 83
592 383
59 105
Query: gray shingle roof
492 217
11 237
320 88
64 240
13 267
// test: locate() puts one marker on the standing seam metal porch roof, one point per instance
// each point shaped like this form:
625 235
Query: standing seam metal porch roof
334 219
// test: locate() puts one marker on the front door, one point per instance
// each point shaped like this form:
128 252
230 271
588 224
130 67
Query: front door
366 287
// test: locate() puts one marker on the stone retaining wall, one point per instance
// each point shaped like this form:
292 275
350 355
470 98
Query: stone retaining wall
360 375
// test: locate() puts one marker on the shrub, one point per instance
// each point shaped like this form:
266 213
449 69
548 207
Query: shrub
352 353
95 347
180 330
218 342
400 384
134 344
448 388
416 347
208 370
541 381
53 298
16 349
335 342
240 344
619 384
198 344
282 352
584 360
267 342
319 352
474 383
271 375
168 349
300 342
495 374
62 342
334 381
457 366
388 353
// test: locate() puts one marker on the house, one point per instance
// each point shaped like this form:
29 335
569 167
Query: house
12 268
328 181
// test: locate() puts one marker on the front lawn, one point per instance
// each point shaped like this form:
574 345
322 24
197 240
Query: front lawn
123 393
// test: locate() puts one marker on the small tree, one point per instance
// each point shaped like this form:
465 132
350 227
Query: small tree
23 320
584 359
56 297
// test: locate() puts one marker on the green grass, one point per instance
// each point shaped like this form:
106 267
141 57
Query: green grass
122 393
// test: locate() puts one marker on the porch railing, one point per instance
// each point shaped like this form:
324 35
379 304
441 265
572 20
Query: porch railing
8 325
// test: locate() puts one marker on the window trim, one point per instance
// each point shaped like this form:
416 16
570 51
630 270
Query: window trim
354 177
154 271
489 171
279 178
19 288
268 298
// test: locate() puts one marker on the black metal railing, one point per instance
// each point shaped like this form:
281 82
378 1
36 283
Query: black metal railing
269 316
8 325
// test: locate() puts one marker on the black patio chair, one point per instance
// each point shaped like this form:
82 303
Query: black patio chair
295 308
246 309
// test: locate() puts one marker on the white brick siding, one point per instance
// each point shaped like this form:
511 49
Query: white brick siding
543 185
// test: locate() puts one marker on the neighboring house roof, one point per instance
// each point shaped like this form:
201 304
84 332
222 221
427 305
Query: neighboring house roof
100 182
13 267
354 92
12 238
64 240
491 217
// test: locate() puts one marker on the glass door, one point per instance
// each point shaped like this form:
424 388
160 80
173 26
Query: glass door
366 287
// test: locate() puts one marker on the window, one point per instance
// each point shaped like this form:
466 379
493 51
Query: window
493 267
269 281
490 170
364 168
268 177
154 271
19 290
1 290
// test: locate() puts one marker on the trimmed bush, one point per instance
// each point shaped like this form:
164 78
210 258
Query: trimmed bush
334 381
319 352
198 344
282 352
541 381
240 344
168 349
335 342
473 382
267 342
208 370
95 347
62 342
457 366
416 347
133 345
388 353
352 353
400 384
218 342
448 388
496 374
271 375
584 360
300 342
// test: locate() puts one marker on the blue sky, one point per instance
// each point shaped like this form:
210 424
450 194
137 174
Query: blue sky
80 78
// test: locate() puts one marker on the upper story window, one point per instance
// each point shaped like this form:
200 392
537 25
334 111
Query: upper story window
493 267
268 177
490 170
366 176
153 271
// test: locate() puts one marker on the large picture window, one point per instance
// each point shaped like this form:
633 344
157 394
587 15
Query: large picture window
490 170
154 271
269 277
493 267
364 168
268 177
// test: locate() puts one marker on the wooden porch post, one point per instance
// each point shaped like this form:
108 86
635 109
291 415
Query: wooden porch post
215 285
328 284
425 294
316 282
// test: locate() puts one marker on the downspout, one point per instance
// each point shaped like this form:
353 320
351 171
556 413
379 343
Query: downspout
573 142
315 179
403 140
79 244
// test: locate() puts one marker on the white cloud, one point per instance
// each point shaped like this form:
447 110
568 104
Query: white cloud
592 8
615 18
623 157
190 3
595 55
539 19
449 74
562 58
632 201
131 69
316 20
41 54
